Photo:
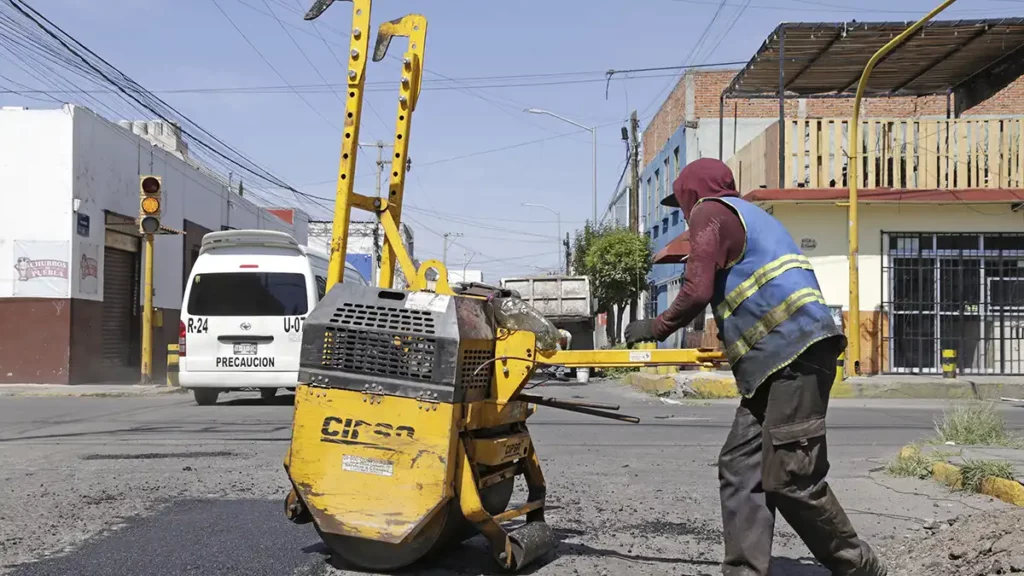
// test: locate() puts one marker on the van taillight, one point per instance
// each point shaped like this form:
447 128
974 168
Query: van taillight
181 339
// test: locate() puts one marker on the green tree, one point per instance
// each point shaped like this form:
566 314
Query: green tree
581 244
617 262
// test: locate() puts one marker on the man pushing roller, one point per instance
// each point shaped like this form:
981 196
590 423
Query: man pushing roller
782 343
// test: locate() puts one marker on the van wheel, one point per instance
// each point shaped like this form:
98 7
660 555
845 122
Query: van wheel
268 394
205 396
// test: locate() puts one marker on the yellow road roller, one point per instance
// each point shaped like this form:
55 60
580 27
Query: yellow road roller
410 414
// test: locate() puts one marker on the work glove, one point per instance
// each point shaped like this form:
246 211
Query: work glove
640 331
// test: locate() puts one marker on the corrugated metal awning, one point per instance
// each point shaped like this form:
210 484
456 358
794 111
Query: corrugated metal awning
827 59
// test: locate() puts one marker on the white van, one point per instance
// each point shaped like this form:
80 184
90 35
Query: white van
241 316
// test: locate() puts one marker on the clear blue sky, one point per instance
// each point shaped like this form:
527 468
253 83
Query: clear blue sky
176 44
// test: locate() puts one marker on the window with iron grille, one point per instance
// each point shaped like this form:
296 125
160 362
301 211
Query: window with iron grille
961 292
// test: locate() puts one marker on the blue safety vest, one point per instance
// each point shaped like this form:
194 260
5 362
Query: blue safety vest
767 303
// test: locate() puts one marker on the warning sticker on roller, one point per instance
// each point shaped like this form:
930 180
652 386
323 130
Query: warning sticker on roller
427 302
643 356
367 465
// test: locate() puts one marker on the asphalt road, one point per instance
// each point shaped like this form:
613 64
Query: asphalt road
158 485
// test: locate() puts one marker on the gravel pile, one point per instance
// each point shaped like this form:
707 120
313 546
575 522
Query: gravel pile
979 545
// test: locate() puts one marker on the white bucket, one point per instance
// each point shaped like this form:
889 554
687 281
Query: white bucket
583 375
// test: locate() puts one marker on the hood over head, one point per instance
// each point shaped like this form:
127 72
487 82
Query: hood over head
703 178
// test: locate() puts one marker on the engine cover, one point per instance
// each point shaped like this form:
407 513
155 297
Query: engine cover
422 345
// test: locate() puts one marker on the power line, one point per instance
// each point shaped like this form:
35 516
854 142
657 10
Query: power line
822 7
689 57
344 68
41 37
725 34
488 151
272 67
387 87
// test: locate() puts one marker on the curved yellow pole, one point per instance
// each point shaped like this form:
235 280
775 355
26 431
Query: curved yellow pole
853 329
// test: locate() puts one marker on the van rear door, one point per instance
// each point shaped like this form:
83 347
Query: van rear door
245 320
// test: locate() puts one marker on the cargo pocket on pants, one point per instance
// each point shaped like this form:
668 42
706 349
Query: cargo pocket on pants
797 458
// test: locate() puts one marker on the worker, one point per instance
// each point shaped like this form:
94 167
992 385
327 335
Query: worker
782 344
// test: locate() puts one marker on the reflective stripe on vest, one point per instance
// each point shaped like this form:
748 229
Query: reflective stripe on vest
762 276
771 320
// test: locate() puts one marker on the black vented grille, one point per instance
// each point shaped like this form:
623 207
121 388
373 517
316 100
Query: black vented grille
370 316
392 355
469 362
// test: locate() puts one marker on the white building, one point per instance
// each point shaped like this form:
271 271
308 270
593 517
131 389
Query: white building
70 259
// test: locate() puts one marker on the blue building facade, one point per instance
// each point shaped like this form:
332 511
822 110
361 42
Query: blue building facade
663 224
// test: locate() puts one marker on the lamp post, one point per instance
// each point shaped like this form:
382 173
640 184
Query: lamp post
466 265
558 219
593 137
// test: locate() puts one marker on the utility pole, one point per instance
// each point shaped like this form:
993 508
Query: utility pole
634 176
147 312
568 253
558 236
634 191
444 254
381 162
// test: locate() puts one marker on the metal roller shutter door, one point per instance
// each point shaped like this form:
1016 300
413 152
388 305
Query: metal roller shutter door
118 275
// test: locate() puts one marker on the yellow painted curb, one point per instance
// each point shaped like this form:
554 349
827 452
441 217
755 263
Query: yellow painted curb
842 390
909 452
651 383
713 388
947 474
1009 491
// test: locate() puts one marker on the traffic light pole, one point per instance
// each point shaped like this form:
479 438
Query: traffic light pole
147 312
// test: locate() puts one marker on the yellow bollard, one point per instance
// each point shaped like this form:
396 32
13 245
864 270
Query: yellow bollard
949 363
172 365
840 368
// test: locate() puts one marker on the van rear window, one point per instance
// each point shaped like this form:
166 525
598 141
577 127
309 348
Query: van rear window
248 294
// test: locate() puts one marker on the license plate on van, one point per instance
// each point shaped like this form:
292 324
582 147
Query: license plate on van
245 349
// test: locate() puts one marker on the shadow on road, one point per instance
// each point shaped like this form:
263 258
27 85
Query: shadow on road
473 558
286 399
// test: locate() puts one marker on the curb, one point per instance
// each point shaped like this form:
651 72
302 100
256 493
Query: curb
71 392
722 385
703 386
1009 491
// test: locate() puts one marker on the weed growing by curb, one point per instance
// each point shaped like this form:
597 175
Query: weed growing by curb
917 464
974 471
974 425
913 465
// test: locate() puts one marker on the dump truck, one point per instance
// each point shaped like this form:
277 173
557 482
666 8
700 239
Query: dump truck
564 300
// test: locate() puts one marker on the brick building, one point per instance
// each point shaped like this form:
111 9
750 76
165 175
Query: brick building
942 184
706 87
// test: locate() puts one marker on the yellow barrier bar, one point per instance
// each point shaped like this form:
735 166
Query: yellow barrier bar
172 364
630 358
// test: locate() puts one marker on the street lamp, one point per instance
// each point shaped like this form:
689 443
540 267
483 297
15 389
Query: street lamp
466 265
558 219
593 137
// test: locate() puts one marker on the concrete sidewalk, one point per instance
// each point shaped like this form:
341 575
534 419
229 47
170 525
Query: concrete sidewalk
87 390
721 384
950 460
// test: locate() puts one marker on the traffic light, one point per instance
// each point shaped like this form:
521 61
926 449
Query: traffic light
150 204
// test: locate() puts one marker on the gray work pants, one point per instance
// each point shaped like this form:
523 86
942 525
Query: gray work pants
776 458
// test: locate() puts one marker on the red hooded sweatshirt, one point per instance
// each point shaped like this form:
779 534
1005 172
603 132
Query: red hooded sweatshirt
717 238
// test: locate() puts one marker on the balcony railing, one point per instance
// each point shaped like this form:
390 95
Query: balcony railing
895 153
